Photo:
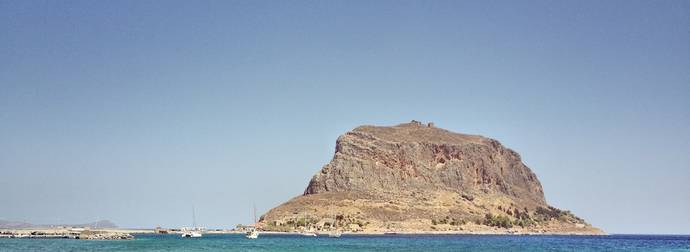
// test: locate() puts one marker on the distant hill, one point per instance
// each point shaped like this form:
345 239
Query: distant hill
14 224
99 224
5 224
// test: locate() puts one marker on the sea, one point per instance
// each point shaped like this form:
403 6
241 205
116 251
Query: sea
346 243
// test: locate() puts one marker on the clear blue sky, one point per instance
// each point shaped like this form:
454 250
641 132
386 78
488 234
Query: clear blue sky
134 111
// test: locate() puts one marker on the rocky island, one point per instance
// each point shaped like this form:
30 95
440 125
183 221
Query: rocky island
418 178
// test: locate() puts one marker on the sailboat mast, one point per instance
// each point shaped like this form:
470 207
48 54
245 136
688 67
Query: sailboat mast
193 218
254 214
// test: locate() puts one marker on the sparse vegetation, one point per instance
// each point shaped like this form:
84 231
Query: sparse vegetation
524 219
457 222
497 221
448 220
317 223
273 227
546 214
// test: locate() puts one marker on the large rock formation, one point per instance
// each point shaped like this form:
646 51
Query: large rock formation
415 177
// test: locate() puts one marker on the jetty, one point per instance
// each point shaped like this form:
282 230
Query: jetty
81 234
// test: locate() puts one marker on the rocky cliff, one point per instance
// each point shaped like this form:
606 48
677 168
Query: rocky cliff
415 177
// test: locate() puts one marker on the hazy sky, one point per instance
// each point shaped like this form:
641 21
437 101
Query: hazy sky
135 111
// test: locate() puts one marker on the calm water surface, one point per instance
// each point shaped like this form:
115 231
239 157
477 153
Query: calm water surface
362 243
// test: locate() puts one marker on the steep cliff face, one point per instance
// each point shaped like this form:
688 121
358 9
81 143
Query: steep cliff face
416 177
415 157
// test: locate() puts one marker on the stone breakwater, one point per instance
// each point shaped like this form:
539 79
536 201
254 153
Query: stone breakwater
65 234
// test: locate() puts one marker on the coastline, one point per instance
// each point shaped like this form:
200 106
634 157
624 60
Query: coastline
370 233
119 233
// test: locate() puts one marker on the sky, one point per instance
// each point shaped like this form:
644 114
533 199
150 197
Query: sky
140 111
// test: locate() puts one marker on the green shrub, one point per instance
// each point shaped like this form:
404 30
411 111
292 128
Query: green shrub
455 222
497 221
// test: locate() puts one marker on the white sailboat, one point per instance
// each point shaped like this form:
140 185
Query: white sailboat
307 232
335 233
193 232
190 233
253 233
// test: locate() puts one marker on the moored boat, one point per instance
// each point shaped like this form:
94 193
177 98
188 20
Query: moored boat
193 232
253 233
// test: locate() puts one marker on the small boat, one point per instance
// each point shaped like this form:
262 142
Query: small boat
307 231
335 233
309 234
253 234
191 234
194 232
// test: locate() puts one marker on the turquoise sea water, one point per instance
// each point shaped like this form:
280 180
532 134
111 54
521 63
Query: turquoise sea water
437 243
